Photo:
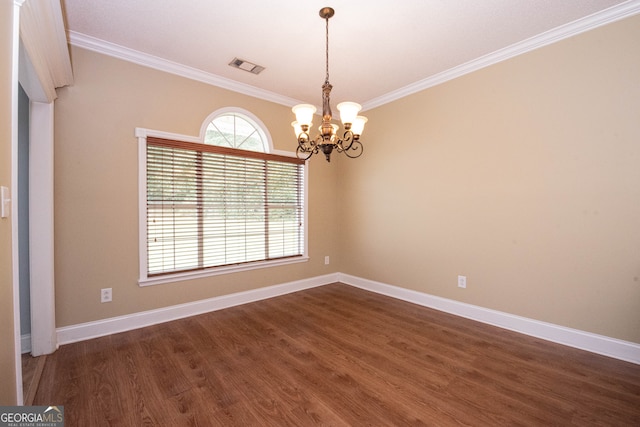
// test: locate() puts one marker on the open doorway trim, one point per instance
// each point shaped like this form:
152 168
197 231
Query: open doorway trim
43 321
41 64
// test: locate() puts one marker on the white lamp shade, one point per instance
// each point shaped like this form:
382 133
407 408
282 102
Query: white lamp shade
296 128
358 125
304 113
348 111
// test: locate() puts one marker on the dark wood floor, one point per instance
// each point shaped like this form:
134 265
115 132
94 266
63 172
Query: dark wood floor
335 355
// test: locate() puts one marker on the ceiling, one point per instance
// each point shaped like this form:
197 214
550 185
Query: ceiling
378 51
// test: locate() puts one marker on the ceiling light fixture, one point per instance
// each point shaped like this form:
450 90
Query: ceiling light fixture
328 139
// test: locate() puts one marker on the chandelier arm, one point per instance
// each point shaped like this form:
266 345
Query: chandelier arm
303 140
306 144
347 139
301 153
356 147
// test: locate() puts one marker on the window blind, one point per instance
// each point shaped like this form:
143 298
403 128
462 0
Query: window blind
211 206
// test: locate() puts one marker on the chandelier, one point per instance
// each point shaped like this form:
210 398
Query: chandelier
328 139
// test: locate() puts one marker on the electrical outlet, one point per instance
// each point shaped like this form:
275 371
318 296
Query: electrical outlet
462 281
106 295
326 260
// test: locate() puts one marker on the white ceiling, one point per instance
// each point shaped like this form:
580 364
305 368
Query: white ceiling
378 51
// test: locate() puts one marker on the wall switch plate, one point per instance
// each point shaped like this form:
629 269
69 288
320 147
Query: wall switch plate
106 294
5 202
462 281
326 260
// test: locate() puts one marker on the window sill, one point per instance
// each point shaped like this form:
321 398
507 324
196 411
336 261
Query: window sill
216 271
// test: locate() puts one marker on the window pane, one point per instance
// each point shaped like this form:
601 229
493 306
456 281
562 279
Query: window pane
235 131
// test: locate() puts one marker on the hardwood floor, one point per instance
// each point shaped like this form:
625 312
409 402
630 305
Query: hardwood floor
335 355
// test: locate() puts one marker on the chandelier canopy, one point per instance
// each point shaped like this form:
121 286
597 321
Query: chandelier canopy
328 139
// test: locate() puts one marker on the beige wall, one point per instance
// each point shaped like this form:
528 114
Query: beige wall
524 176
96 187
7 349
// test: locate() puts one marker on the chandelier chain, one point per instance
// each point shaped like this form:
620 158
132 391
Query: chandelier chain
327 48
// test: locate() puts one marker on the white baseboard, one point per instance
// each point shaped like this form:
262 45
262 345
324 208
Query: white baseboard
619 349
594 343
25 343
85 331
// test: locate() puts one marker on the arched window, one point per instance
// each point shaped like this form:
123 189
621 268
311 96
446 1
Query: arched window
236 130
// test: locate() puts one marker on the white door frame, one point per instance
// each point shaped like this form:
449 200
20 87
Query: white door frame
41 245
44 21
43 24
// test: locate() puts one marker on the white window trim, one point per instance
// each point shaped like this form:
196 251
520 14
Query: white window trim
144 280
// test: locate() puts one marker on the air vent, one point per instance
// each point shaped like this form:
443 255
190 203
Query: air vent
246 66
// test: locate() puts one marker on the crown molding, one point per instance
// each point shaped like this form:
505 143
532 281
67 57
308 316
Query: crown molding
571 29
97 45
